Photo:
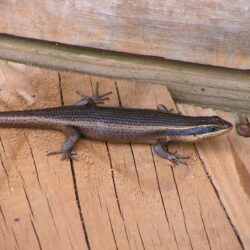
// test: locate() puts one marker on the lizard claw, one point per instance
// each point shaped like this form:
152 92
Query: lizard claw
93 100
177 159
100 98
67 155
160 149
54 153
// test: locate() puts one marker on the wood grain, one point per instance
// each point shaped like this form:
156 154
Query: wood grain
144 188
115 196
227 89
229 171
207 32
38 208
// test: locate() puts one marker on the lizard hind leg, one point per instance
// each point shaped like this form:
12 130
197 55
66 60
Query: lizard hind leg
73 136
93 100
161 150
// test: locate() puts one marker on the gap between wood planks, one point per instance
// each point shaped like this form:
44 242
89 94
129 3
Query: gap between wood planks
74 176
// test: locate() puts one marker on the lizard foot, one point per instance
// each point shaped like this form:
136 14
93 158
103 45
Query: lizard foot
93 100
67 155
161 150
177 159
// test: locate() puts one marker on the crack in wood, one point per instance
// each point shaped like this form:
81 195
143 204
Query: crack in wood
60 88
158 234
118 94
218 197
29 204
159 189
69 239
116 193
1 142
4 219
99 198
126 167
134 161
183 214
15 238
135 244
4 168
139 231
113 180
6 173
2 232
176 242
52 216
36 234
204 226
130 145
79 205
126 232
92 85
34 162
112 229
136 170
20 173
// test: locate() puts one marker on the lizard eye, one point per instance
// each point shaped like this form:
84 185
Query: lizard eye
213 129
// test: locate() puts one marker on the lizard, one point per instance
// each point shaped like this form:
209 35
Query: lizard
89 120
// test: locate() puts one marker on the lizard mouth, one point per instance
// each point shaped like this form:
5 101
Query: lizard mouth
221 123
225 124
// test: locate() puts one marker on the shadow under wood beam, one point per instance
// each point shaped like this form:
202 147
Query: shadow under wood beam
205 85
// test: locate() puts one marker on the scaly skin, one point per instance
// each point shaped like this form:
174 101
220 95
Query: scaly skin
123 125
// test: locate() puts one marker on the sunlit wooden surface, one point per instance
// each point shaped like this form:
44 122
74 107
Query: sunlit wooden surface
119 196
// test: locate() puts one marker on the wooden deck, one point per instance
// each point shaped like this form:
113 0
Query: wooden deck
120 196
185 31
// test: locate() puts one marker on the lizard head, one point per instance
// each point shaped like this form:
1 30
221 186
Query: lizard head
198 128
214 126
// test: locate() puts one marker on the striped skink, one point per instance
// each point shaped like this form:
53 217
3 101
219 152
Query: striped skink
124 125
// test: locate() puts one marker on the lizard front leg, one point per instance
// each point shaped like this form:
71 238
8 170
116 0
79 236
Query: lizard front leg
73 136
161 150
92 100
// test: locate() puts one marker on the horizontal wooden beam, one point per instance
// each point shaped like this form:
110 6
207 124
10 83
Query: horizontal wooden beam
214 32
227 89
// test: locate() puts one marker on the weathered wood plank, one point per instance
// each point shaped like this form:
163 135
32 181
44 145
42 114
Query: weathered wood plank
229 171
210 86
105 227
207 32
114 196
187 196
139 191
38 208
